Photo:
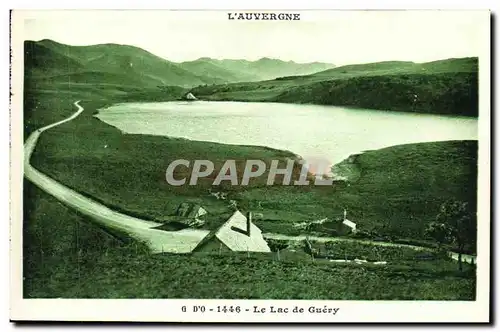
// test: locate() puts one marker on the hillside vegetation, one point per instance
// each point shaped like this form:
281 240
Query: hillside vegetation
441 87
398 193
112 64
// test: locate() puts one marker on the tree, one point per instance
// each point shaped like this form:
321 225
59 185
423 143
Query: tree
455 223
439 231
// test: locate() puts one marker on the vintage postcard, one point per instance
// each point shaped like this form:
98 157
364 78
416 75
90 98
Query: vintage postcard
250 166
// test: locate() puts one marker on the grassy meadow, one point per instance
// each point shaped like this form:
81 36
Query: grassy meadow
395 193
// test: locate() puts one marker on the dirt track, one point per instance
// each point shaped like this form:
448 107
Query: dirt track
453 255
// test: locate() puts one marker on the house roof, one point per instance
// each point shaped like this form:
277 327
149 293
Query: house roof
237 240
190 96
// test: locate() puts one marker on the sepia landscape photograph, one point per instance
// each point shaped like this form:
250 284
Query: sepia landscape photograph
314 155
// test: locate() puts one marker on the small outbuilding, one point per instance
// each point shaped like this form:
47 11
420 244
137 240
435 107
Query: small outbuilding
343 226
190 210
346 222
190 96
191 213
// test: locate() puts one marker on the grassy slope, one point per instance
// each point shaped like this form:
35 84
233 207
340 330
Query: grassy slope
84 262
443 93
134 65
57 244
401 187
443 87
112 63
399 191
465 65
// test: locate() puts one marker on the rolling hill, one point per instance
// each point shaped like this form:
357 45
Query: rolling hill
443 87
114 64
456 65
126 64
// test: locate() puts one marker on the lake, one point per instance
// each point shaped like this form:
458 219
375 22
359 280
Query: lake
311 131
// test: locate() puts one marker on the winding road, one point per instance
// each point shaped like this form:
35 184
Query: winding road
183 241
453 255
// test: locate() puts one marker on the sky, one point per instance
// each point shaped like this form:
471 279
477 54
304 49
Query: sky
338 37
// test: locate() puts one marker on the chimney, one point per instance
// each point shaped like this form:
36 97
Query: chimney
249 222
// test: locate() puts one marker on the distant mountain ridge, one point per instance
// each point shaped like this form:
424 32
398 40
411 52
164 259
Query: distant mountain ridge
50 61
259 70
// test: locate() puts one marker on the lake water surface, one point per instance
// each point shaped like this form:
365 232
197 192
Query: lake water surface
311 131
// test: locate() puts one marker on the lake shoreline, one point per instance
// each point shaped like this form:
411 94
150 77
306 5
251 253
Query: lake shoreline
142 159
354 107
204 123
